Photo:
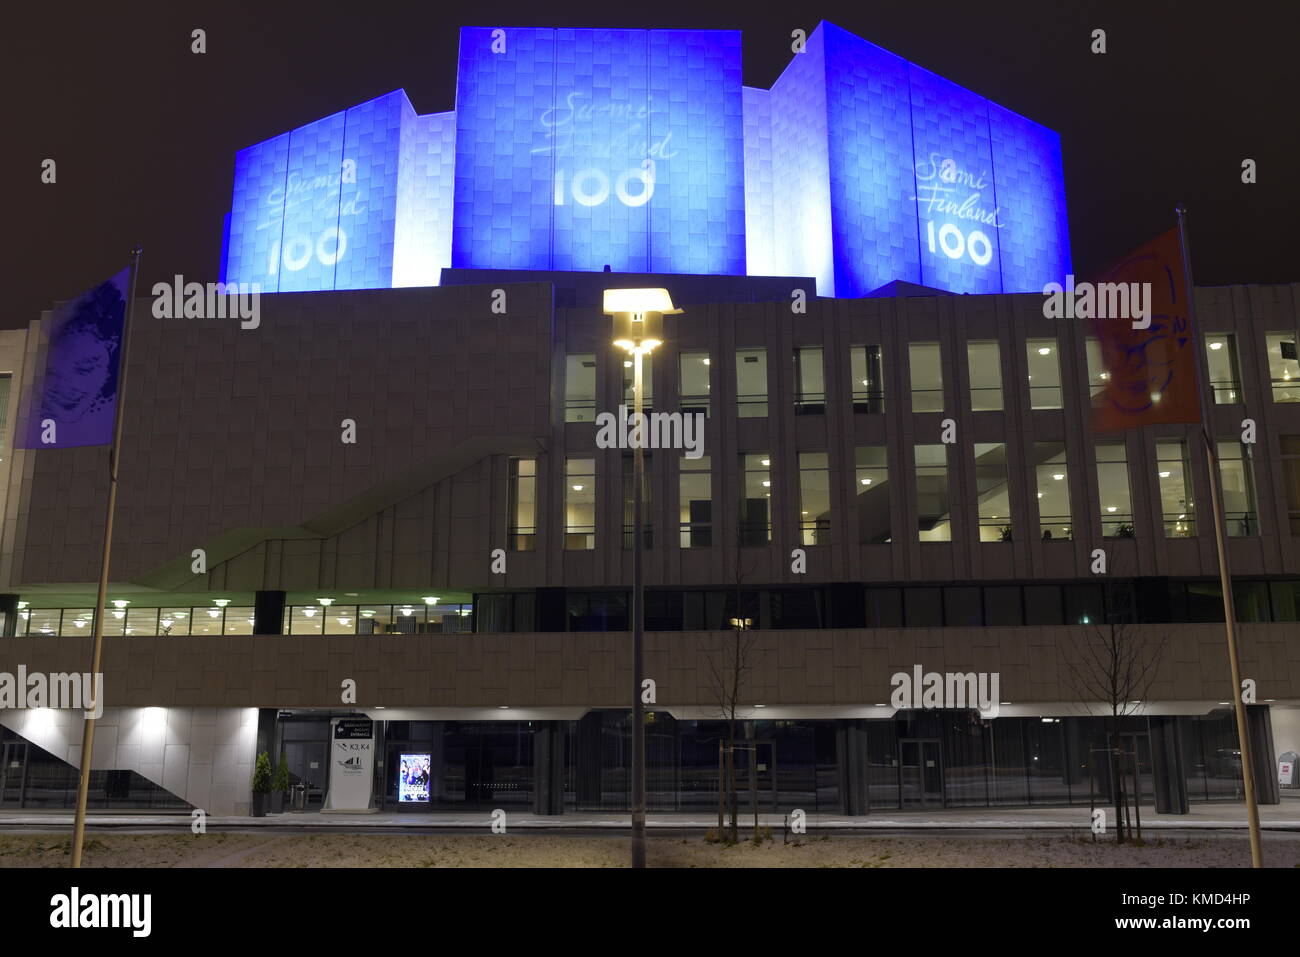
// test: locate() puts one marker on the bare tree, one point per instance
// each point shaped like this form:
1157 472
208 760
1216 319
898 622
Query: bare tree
1115 664
729 658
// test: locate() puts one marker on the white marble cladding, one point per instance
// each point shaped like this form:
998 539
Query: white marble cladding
202 755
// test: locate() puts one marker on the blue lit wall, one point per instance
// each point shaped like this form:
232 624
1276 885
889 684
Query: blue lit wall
577 149
641 150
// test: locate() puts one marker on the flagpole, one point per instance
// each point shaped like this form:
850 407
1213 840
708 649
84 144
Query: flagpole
1221 548
88 737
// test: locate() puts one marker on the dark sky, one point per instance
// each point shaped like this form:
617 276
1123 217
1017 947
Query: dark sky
145 133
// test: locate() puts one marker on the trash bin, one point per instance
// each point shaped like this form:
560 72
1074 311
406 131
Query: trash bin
299 797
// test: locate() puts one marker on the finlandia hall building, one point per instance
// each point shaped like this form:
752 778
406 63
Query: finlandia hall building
859 254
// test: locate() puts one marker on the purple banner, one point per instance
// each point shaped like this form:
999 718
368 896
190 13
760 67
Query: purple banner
72 400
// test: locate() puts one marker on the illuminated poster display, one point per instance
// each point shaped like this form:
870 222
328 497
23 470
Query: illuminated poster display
413 779
641 150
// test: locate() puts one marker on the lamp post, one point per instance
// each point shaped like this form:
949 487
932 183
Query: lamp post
638 327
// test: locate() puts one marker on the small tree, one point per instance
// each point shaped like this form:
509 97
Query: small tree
1115 664
262 774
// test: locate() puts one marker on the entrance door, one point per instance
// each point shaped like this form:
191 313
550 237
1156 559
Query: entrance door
920 772
13 771
1139 744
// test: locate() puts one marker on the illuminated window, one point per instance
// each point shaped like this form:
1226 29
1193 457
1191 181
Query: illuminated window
751 383
521 530
814 498
693 368
1053 494
1176 506
1044 365
927 376
809 381
1113 488
756 498
1221 360
695 497
868 370
580 388
991 491
1097 374
1237 482
580 503
983 359
871 494
1283 367
933 508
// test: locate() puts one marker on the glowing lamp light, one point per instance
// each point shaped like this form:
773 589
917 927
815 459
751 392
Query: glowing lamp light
1165 474
1045 351
638 317
767 461
578 488
1216 346
866 481
1058 476
325 601
309 611
120 602
431 600
1112 508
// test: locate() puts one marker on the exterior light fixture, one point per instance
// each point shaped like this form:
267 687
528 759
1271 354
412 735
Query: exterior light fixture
221 602
431 600
638 317
23 604
326 601
120 602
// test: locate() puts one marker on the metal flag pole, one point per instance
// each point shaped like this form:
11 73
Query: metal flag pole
1221 548
638 627
88 737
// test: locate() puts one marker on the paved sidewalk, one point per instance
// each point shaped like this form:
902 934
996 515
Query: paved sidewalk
1276 817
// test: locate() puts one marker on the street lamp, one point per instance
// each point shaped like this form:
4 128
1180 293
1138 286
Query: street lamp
638 328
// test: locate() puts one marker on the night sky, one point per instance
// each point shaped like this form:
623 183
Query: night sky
145 132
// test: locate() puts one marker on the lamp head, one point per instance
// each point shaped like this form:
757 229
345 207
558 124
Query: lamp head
638 317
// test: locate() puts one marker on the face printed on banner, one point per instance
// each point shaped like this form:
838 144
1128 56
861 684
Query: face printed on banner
81 372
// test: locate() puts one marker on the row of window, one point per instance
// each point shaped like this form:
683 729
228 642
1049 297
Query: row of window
416 618
901 606
925 363
934 511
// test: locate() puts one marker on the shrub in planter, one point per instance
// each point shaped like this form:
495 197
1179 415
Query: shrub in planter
280 785
261 784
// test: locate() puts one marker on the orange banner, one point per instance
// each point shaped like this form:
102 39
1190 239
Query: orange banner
1139 314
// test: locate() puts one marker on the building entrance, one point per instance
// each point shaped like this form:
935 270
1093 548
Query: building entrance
13 773
920 772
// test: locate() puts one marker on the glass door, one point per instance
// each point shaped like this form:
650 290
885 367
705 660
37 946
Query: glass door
920 773
13 771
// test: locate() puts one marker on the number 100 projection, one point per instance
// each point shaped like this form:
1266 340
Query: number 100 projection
641 150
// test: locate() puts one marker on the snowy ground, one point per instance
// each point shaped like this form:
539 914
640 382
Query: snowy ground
557 850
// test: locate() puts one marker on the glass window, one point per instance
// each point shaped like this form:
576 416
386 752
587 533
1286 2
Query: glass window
1221 360
141 621
1291 479
983 360
693 368
1044 364
809 381
1238 486
927 376
40 621
923 607
1283 367
1053 490
933 512
173 622
814 498
303 620
1002 605
580 388
239 621
991 491
1285 600
868 370
1097 374
1176 505
76 621
629 502
647 384
1113 487
580 503
751 383
695 495
884 608
521 530
756 501
1084 604
961 606
1043 605
871 492
6 381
